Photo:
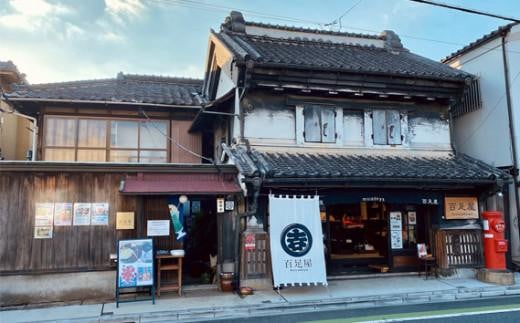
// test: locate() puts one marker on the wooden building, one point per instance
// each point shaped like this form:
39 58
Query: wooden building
360 121
123 143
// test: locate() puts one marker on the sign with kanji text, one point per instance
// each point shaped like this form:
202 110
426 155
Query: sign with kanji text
125 220
296 240
460 208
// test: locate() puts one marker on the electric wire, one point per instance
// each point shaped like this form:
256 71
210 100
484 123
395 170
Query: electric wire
175 142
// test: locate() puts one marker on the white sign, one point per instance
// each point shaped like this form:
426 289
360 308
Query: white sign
156 228
296 241
220 205
412 218
396 227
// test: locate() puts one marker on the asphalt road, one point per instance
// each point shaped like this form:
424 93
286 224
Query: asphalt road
501 309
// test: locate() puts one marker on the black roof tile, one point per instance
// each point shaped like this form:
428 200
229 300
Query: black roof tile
125 88
278 165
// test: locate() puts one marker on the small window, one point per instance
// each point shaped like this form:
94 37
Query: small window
320 124
386 126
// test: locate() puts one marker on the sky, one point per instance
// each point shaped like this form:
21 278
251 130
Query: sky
65 40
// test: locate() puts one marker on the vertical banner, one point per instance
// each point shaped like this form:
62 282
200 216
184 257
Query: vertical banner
296 240
176 213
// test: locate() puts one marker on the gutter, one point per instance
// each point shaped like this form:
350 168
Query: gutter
511 123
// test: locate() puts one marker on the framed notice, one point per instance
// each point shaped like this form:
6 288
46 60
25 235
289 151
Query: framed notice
62 214
461 208
99 214
43 214
156 228
125 221
82 213
43 232
412 218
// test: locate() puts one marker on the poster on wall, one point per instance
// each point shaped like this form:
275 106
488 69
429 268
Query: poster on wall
82 213
43 214
396 234
250 241
412 218
296 241
135 263
62 214
155 228
125 221
43 232
99 214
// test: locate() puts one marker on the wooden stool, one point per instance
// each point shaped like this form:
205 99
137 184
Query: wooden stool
429 264
164 264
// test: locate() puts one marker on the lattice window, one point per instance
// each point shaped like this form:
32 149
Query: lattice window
471 101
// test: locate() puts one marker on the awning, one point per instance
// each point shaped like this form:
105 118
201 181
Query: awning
185 183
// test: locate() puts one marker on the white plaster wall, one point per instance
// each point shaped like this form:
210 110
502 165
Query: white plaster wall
484 134
353 128
224 85
277 124
513 59
428 133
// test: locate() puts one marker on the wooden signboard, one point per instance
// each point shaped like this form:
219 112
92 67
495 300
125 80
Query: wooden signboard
460 208
125 221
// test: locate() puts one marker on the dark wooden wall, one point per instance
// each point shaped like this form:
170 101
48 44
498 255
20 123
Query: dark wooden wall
72 247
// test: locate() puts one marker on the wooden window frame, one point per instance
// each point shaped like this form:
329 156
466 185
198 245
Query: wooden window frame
108 130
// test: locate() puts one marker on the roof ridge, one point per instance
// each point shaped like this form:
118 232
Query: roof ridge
158 78
303 41
67 82
314 30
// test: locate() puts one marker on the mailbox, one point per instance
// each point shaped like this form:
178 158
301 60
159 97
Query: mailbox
495 246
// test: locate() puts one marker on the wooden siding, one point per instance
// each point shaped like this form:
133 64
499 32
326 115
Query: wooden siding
193 142
72 247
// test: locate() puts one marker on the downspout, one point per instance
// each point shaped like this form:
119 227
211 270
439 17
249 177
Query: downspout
511 124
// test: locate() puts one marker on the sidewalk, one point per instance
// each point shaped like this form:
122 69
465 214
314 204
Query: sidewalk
340 294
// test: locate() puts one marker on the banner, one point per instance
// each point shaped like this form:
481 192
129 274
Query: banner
296 240
176 213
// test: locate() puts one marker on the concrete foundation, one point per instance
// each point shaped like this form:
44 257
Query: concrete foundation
67 287
501 277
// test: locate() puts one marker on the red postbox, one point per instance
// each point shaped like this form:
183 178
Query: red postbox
495 246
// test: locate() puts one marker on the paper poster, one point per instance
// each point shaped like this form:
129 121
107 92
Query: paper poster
99 214
135 263
125 221
43 232
43 214
158 228
421 250
412 218
296 240
396 227
395 221
250 241
62 214
396 238
82 213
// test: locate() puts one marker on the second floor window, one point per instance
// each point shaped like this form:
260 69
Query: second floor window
319 123
386 126
101 140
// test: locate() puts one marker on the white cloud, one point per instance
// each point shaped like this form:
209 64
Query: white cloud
120 10
37 8
113 37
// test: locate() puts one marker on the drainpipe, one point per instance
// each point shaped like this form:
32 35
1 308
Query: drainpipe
511 123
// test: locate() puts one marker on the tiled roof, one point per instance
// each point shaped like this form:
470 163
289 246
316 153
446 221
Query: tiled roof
8 66
482 40
124 88
374 166
325 55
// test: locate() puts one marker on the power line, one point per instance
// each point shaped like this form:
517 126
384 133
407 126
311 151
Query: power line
338 20
468 10
175 142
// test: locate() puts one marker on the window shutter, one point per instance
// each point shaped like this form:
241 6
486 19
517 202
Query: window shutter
328 125
311 116
393 125
379 127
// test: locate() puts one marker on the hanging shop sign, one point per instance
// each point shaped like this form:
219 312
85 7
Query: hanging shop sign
62 214
229 205
82 213
177 217
396 230
156 228
296 241
135 265
99 214
125 221
220 205
460 208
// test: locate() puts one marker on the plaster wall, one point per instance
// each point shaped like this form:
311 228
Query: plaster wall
484 133
15 137
513 60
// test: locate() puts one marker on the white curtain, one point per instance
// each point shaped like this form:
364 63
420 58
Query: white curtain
296 241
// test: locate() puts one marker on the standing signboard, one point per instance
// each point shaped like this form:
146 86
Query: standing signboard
296 241
135 266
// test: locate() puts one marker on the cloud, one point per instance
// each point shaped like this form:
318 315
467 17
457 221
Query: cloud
38 15
121 10
112 37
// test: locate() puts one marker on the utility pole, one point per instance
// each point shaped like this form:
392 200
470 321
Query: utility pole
473 11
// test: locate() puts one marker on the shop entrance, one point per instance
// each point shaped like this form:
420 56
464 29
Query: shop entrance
358 239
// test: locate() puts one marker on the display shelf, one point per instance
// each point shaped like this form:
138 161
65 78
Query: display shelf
163 265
